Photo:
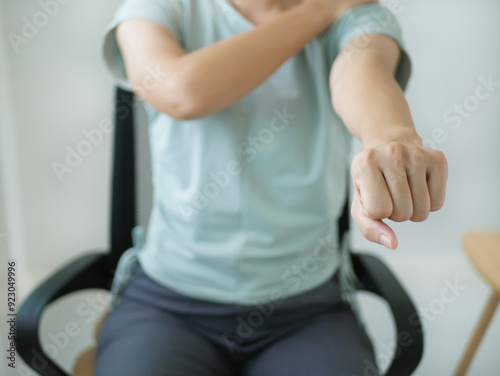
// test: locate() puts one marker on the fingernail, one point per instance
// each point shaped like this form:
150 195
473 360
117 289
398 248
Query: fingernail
384 240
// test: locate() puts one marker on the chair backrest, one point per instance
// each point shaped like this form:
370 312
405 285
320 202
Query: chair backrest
131 194
132 179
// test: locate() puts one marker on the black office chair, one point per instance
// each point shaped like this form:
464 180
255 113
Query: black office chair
131 207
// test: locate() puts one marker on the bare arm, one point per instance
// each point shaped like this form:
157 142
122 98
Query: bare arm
207 80
202 82
395 176
366 95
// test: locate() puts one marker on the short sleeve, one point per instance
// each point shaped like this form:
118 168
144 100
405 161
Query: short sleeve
167 13
369 19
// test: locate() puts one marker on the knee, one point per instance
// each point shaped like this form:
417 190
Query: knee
84 364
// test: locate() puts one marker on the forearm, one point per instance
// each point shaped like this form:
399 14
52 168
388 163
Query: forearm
219 75
395 176
370 102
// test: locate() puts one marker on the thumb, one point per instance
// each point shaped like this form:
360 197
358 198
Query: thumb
374 230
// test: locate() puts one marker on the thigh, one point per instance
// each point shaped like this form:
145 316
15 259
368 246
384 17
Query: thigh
138 340
330 344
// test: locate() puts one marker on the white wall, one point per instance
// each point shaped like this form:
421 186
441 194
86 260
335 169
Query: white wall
58 87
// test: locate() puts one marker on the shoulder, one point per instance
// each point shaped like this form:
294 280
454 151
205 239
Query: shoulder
358 21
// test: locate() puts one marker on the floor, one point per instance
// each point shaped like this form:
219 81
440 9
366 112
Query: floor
448 326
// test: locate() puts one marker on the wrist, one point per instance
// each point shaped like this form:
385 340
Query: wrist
405 135
317 14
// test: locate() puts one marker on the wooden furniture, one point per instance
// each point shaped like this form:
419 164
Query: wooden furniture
483 249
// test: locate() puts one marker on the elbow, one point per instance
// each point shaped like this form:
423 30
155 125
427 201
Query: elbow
180 97
176 96
183 107
336 83
335 96
181 103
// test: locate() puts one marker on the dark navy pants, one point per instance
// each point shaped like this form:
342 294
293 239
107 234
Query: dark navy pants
156 331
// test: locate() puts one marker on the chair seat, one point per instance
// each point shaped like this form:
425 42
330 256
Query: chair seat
483 249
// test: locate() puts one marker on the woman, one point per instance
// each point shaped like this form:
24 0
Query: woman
252 106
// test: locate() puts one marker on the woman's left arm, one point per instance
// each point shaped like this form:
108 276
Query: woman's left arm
395 176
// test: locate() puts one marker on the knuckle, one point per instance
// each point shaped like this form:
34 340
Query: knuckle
370 154
355 168
367 157
401 215
395 150
361 162
437 204
417 157
437 200
378 211
420 216
440 154
440 159
396 218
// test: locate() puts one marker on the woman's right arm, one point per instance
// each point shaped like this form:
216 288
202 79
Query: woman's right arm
197 84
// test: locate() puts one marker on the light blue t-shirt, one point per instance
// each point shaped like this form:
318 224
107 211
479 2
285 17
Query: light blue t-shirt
246 201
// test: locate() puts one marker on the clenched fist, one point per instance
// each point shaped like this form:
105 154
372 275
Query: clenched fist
397 181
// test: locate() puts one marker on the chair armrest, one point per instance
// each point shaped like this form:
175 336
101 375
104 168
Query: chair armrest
377 278
88 271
